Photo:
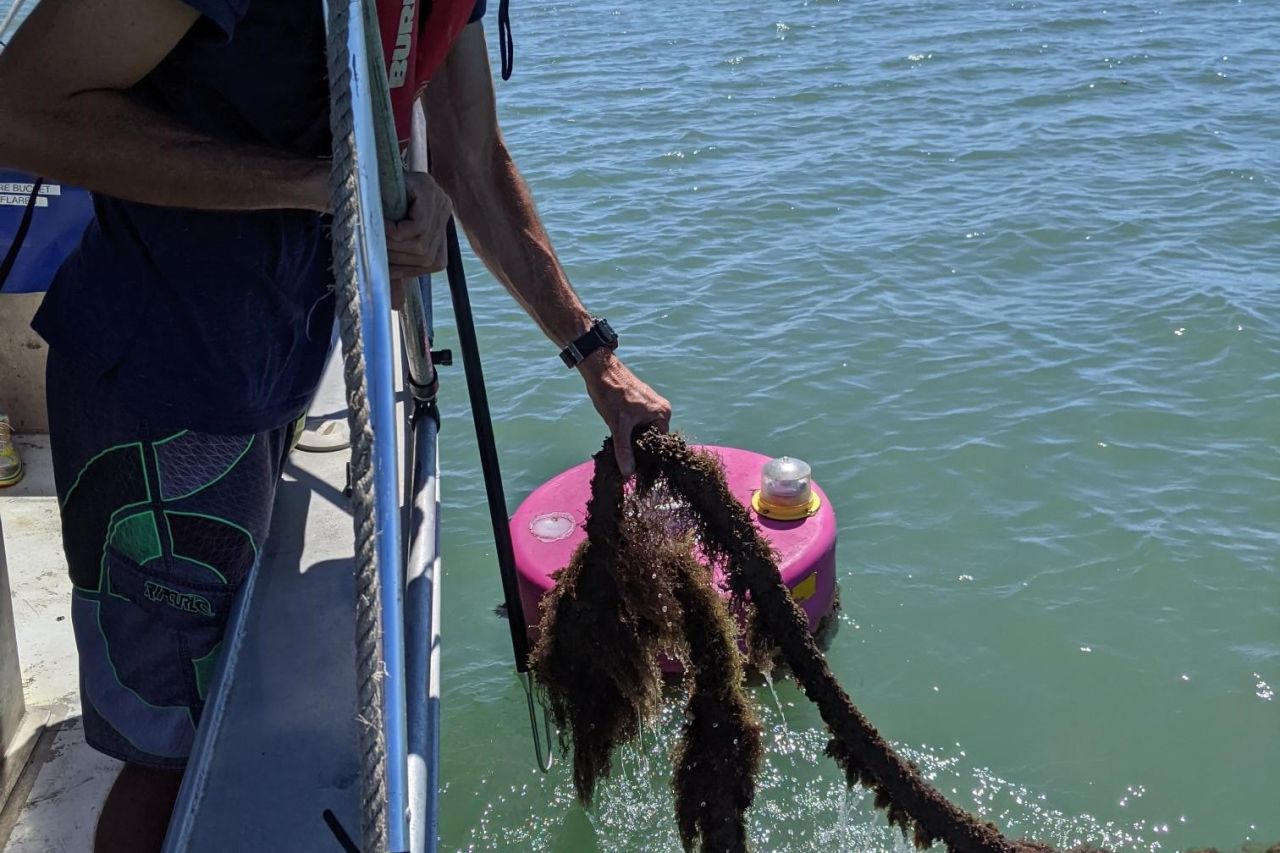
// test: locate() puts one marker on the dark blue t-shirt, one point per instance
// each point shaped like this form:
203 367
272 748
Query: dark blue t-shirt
215 321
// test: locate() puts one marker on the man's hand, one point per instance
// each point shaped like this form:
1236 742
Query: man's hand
416 244
624 402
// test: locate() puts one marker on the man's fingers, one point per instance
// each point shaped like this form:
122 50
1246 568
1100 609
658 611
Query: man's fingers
425 217
658 417
622 447
416 244
624 403
413 256
424 247
406 230
406 265
624 433
419 226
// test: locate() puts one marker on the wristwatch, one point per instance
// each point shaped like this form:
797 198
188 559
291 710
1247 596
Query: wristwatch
600 334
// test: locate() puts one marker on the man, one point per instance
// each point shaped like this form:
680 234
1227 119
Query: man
188 331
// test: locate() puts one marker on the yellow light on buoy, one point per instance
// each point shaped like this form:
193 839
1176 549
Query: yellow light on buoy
786 490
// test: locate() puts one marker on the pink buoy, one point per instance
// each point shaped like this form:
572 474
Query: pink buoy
549 526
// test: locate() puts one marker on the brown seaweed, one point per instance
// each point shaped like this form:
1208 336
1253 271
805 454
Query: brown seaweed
634 591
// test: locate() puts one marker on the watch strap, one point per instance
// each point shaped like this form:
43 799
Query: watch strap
600 335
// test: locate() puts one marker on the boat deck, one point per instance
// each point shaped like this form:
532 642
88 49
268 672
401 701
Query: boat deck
56 799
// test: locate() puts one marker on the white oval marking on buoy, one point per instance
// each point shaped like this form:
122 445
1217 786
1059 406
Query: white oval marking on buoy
552 526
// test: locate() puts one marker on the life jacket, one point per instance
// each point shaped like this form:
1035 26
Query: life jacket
415 47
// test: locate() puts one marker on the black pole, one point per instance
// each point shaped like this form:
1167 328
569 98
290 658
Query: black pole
488 451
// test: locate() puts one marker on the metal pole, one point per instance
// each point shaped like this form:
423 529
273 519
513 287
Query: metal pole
422 626
375 317
422 565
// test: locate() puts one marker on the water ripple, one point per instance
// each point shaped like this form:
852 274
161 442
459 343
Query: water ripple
1008 275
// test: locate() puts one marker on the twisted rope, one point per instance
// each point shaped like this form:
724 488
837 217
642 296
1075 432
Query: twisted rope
370 666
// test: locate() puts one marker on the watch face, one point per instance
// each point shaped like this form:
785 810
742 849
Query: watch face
607 334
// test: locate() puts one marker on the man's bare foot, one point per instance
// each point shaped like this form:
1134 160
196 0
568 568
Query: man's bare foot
137 810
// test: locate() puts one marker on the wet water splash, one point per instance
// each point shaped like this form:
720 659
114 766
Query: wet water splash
809 812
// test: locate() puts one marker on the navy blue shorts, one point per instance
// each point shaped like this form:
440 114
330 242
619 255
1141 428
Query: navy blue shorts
160 527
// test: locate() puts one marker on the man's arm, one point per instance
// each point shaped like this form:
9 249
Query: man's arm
70 119
471 163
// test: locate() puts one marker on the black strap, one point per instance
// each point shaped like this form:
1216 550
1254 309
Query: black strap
600 335
505 44
20 236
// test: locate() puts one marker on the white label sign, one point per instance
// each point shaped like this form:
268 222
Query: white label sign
21 200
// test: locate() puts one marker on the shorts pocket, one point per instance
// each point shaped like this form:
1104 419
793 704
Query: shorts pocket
158 624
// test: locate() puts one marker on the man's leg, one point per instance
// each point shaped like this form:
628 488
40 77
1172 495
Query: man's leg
136 813
160 528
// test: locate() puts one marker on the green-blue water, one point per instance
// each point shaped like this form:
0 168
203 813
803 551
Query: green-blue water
1008 276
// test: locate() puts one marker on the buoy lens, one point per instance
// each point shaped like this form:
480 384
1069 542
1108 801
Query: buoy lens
786 482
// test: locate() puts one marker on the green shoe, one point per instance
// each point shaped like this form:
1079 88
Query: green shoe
299 426
10 461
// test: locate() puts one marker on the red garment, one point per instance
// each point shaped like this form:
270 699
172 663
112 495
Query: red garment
414 52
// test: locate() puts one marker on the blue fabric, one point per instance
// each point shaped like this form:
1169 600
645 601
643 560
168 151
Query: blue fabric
58 220
214 321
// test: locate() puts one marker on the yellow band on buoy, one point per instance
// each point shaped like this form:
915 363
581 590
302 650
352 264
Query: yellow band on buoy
784 513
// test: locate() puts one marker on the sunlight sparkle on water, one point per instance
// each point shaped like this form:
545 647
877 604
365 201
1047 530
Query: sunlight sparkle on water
804 812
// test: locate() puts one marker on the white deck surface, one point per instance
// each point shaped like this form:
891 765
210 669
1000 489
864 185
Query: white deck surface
66 781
